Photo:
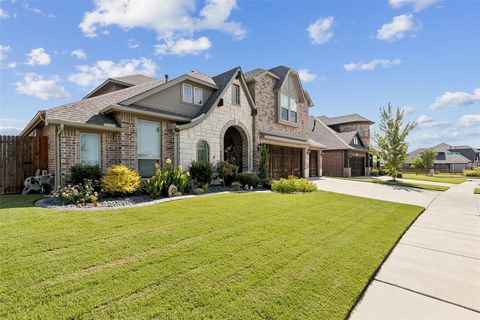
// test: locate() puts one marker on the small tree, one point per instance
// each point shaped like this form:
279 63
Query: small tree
428 158
226 170
390 140
417 163
264 158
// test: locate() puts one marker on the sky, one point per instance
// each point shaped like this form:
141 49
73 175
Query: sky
352 56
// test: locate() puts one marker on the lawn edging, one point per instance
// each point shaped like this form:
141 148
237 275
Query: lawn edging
377 270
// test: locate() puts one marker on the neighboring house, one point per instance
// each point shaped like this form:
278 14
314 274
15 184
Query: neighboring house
346 140
140 121
449 158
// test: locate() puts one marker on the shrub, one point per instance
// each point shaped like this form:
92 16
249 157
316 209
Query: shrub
267 183
120 180
236 185
81 172
198 191
248 178
400 175
79 193
157 185
201 171
375 172
293 185
472 173
264 159
226 171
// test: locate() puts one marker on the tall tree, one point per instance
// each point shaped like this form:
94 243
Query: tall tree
417 163
390 139
428 158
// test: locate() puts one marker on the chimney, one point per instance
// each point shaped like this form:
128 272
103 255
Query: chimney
166 78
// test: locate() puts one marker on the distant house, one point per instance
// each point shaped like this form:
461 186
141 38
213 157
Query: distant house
346 140
449 158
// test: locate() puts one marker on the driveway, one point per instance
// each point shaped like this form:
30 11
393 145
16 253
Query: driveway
413 196
434 271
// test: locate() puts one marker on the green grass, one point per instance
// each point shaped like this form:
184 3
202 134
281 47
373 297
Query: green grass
476 190
401 184
235 256
455 179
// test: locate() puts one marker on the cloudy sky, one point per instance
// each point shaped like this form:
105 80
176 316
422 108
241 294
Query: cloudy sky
353 56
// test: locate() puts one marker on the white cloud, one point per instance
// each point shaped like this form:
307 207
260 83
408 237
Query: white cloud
425 121
321 30
369 66
469 120
41 87
89 75
455 99
12 65
183 47
38 57
10 126
175 21
4 51
306 76
36 10
4 14
397 29
417 5
132 44
79 54
407 109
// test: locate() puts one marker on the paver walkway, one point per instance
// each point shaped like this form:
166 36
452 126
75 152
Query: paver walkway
434 271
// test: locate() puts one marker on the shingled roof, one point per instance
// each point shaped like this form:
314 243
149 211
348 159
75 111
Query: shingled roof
134 79
349 118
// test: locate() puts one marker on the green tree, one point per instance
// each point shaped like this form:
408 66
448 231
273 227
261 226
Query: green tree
428 157
391 137
417 163
264 158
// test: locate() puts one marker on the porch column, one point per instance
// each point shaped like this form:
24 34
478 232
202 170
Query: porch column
319 163
306 166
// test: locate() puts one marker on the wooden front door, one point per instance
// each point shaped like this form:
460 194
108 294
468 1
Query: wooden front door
358 166
313 163
285 161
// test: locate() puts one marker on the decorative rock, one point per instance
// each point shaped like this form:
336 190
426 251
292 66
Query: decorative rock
246 187
172 191
251 187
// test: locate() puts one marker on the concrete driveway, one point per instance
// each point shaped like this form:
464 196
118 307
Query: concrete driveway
413 196
434 271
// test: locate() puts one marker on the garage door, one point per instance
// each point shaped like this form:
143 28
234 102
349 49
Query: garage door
332 163
358 166
285 161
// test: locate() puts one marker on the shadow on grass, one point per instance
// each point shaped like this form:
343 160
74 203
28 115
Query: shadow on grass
18 201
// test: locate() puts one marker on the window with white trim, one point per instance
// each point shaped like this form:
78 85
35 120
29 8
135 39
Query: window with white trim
355 140
202 151
235 94
197 95
288 109
90 148
187 93
148 147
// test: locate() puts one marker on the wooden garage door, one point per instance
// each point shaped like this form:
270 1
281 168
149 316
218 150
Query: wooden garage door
332 163
312 163
285 161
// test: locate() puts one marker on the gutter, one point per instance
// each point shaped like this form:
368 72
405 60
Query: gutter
120 108
80 125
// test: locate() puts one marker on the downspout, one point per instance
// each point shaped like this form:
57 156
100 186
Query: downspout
58 180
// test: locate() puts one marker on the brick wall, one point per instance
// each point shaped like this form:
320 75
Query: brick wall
362 128
69 152
110 146
127 150
49 131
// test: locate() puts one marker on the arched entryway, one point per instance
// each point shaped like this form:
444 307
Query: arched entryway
235 147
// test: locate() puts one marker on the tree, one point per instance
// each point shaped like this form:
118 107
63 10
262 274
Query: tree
417 163
264 158
390 139
428 158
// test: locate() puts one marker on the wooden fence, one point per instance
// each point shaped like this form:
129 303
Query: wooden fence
20 157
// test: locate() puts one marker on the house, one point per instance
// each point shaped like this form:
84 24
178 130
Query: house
140 121
449 158
346 140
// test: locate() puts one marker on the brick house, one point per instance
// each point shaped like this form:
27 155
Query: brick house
140 121
346 140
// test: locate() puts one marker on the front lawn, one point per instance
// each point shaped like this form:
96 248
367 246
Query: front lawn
455 179
235 256
401 183
476 190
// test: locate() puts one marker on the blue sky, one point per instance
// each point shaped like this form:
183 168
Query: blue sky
354 56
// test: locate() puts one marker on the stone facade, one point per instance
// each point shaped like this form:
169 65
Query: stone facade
213 128
362 128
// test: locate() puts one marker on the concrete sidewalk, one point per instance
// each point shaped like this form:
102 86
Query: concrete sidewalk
434 271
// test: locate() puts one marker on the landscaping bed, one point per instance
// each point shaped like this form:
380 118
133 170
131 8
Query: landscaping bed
236 256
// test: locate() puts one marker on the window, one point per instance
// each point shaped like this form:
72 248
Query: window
197 95
148 147
202 151
288 109
90 148
235 94
187 93
355 140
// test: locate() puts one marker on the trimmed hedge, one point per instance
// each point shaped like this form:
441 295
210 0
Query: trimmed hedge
293 185
248 178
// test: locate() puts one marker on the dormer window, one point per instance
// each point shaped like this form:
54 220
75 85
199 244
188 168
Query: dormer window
191 94
187 93
288 109
197 95
355 140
